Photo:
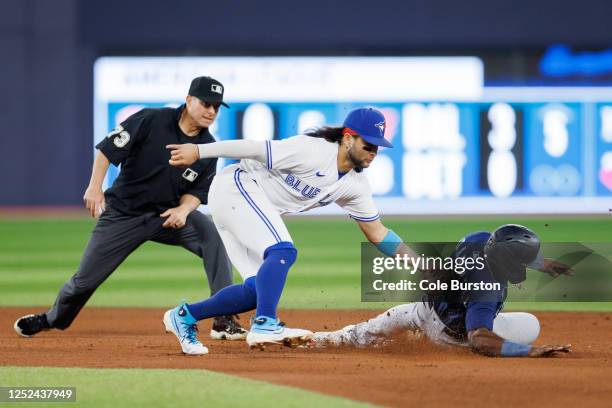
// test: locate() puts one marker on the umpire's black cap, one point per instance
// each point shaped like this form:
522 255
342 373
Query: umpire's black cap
207 89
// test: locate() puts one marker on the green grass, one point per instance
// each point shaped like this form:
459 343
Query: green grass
38 256
163 388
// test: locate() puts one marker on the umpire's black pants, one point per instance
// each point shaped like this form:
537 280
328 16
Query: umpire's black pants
116 235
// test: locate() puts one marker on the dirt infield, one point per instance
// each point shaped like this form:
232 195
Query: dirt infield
413 372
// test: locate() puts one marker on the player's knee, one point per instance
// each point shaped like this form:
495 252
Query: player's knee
250 291
532 328
518 327
250 285
284 251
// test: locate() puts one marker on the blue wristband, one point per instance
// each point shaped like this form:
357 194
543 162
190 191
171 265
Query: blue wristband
389 244
510 349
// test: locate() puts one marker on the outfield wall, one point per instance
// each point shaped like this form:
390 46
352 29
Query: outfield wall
460 147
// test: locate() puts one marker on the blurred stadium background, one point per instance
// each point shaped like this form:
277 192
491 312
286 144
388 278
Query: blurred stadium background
493 108
503 110
499 112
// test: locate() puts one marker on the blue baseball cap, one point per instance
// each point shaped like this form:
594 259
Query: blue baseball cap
369 124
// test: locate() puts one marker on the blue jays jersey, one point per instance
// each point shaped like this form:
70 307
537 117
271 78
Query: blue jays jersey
301 173
463 311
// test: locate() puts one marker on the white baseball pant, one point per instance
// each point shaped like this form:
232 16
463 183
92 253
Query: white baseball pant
246 220
517 327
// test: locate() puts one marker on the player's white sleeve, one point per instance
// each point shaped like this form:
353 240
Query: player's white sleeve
293 152
359 204
236 149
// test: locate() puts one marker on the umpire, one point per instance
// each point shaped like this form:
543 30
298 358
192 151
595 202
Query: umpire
149 201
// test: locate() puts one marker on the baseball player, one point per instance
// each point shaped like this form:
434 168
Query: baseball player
469 318
247 200
149 201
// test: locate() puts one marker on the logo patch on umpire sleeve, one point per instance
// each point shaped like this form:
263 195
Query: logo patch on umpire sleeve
122 139
190 175
120 136
115 131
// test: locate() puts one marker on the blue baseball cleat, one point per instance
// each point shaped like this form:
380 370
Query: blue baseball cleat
265 330
184 326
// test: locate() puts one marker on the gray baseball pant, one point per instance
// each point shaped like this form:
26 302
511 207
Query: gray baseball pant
117 235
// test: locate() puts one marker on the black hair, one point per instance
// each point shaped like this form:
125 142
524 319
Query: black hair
332 134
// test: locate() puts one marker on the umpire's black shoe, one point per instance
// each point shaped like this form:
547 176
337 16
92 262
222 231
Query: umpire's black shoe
29 325
226 328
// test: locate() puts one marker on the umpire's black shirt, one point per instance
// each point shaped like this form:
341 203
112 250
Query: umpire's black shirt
146 181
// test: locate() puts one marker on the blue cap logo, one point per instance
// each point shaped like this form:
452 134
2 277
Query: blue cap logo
369 124
381 127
